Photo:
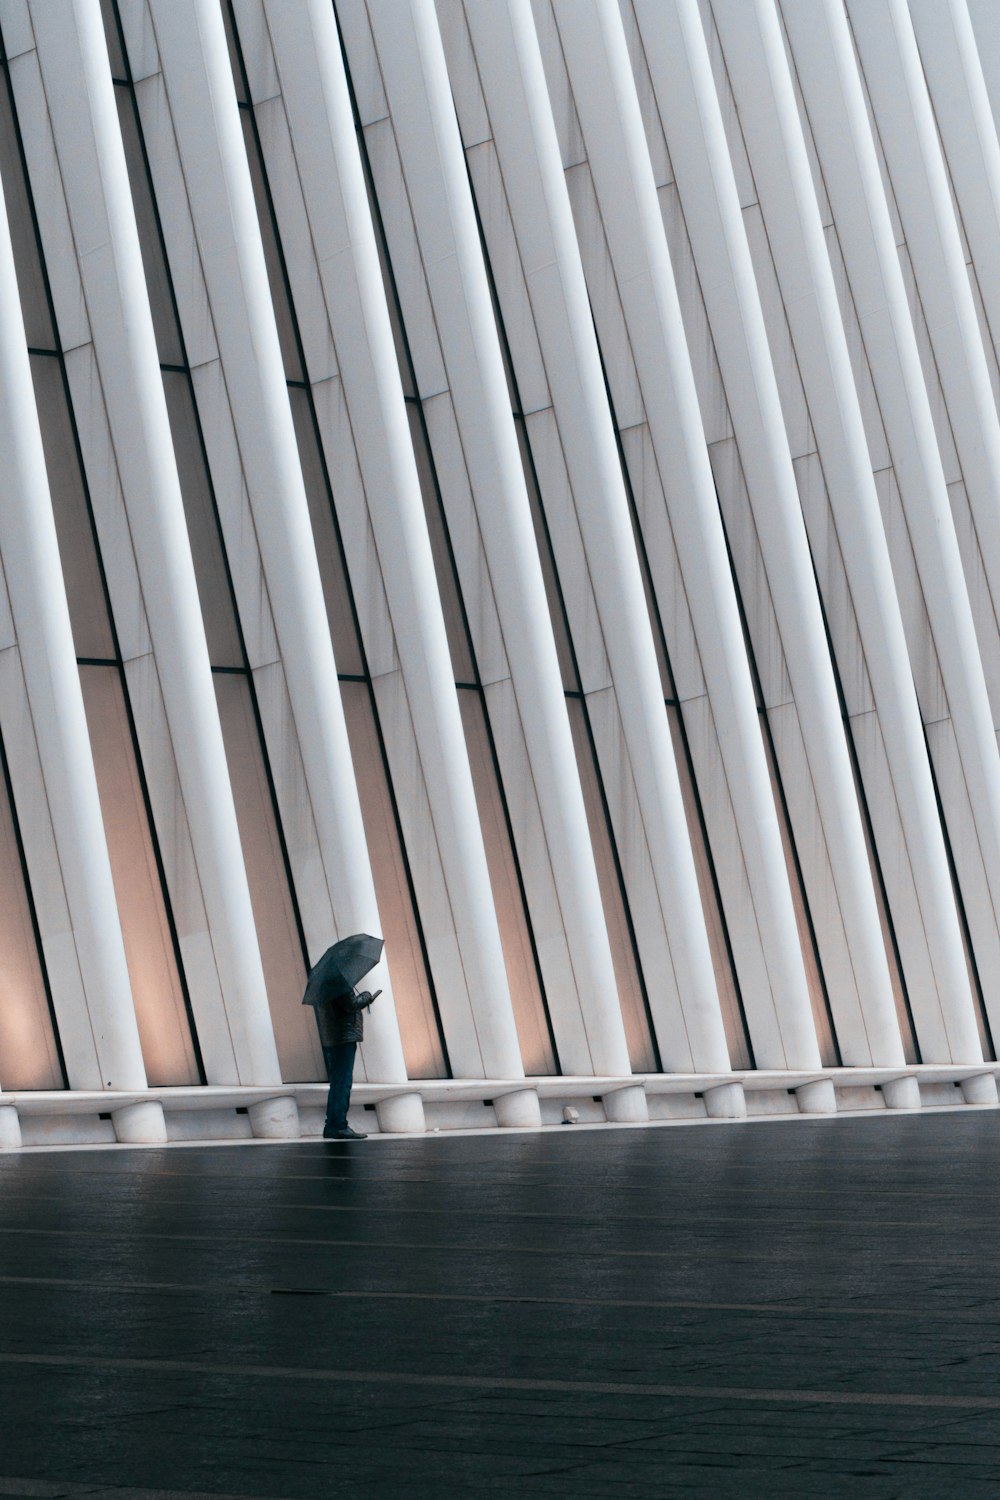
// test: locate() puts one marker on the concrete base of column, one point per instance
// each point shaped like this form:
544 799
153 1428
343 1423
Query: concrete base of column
726 1101
140 1124
817 1098
520 1109
980 1090
901 1093
627 1106
275 1119
10 1128
403 1114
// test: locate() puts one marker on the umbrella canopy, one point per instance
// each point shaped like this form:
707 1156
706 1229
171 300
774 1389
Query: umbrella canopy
342 966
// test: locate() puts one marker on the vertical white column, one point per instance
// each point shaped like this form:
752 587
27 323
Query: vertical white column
824 59
985 20
588 1024
106 1038
523 132
954 69
758 70
317 104
908 129
239 1044
677 53
780 1021
205 118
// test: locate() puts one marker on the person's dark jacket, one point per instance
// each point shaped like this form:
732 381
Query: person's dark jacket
341 1018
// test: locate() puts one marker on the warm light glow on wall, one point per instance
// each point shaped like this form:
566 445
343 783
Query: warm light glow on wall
156 989
417 1024
28 1057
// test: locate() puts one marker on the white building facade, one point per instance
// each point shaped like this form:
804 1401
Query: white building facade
521 477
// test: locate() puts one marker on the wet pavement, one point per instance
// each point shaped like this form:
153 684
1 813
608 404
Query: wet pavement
807 1308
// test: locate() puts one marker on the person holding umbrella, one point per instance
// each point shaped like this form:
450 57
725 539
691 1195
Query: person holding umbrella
340 1017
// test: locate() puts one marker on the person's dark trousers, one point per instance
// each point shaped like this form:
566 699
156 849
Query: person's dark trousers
340 1071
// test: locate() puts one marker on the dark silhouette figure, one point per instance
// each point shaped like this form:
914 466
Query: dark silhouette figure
340 1015
341 1028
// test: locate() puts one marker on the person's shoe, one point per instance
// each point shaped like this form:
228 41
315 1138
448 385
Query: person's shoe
346 1134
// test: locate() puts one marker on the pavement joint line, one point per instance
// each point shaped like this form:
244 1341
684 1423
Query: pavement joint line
811 1310
803 1397
562 1251
603 1216
453 1177
22 1488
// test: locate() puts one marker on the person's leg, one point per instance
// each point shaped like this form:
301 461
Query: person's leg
340 1069
329 1058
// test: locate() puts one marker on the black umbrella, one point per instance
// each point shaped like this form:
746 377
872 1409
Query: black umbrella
342 966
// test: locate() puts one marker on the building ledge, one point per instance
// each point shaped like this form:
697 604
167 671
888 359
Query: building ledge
294 1110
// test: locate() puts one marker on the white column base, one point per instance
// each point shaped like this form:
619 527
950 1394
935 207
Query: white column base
901 1093
982 1089
10 1128
519 1109
403 1114
817 1098
140 1124
726 1101
275 1119
627 1106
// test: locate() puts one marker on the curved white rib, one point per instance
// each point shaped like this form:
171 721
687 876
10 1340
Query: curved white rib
239 1044
688 1018
195 63
779 1016
307 54
824 58
588 1024
953 68
908 131
756 61
676 49
101 1044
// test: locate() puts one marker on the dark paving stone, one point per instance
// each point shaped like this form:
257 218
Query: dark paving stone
808 1309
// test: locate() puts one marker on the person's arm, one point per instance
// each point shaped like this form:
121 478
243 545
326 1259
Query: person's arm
355 1002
